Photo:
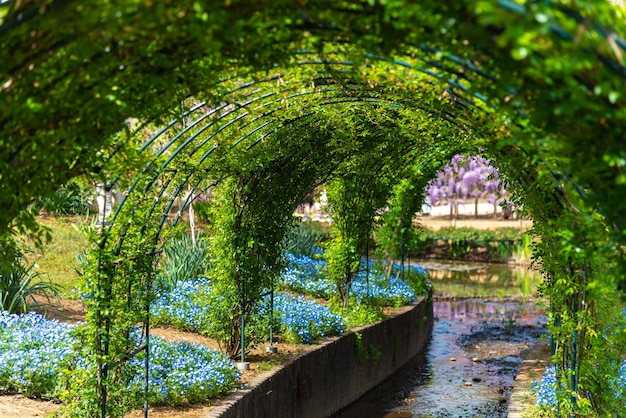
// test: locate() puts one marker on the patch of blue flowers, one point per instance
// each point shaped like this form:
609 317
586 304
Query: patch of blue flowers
184 307
303 320
307 275
183 372
32 353
34 350
546 388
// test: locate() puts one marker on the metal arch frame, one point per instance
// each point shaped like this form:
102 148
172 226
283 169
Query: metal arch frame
236 142
611 64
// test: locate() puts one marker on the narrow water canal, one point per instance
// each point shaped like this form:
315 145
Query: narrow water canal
485 320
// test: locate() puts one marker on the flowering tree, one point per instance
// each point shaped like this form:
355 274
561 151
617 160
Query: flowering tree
463 178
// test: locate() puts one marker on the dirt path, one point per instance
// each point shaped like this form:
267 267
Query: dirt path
482 222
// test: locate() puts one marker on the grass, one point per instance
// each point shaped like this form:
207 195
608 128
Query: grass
57 259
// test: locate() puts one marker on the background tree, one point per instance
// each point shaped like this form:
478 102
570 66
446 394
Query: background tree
467 177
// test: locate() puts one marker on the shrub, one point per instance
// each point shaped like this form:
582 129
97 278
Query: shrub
181 261
359 314
72 198
303 239
18 286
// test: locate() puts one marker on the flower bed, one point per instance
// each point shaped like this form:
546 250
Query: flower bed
304 320
545 389
306 275
190 306
300 320
34 351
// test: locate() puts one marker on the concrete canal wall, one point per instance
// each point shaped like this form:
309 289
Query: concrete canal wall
338 372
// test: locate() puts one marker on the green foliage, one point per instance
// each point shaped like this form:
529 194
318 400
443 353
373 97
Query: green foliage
365 353
419 282
18 286
246 255
117 290
72 198
202 210
222 321
397 236
303 239
343 261
181 261
537 86
359 314
586 320
453 243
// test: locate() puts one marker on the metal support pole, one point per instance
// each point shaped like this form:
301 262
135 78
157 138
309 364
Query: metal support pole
243 333
271 317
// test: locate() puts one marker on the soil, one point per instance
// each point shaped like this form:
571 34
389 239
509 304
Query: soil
470 221
72 311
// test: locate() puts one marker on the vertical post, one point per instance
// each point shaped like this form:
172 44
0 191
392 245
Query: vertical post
192 225
103 390
367 265
272 318
402 249
243 337
147 368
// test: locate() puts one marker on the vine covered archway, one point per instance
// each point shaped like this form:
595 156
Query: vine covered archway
265 101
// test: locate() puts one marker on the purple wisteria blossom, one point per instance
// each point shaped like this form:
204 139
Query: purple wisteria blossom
466 178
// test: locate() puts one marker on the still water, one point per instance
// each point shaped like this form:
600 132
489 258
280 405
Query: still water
485 319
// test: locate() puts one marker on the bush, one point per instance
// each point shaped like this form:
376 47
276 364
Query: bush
454 243
18 286
72 198
304 239
181 261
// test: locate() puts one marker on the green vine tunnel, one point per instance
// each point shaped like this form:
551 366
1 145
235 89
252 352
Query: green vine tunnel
266 91
433 57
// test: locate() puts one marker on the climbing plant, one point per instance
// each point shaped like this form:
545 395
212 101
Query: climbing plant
264 95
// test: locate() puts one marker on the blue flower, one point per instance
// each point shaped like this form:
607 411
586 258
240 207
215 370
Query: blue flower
34 351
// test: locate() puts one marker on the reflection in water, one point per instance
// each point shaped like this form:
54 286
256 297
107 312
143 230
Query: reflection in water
453 377
453 279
